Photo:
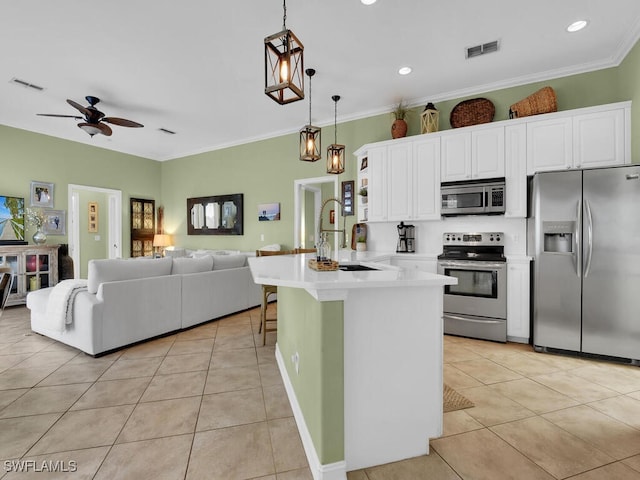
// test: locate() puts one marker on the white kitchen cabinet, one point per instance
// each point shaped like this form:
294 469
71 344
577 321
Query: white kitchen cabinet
518 323
455 163
516 171
473 154
400 181
403 181
426 172
549 145
599 139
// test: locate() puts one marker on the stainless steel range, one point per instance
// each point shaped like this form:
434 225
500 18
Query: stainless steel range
477 306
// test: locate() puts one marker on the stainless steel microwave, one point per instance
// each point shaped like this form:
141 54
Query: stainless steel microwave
475 197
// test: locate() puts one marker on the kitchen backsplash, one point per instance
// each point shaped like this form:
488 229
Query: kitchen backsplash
383 237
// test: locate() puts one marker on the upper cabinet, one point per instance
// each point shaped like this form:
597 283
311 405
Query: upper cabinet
403 181
600 137
473 154
403 176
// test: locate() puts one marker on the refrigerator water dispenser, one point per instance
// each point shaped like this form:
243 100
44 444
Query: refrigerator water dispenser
558 237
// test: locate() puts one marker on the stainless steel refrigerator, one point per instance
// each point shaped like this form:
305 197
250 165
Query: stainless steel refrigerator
584 235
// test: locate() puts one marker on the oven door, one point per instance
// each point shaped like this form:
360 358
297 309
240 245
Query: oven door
481 289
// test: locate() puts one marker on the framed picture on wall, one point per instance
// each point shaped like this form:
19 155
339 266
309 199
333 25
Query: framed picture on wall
93 217
347 197
55 222
42 194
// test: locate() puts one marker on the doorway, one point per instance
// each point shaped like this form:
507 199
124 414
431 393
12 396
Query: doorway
106 242
306 191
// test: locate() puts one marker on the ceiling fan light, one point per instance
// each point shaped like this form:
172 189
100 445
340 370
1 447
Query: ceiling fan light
90 128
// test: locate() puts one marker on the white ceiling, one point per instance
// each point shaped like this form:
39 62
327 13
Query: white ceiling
197 67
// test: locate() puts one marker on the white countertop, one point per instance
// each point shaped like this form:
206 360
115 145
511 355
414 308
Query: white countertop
293 271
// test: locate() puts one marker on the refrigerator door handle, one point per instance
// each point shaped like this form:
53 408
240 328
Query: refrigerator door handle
588 253
577 256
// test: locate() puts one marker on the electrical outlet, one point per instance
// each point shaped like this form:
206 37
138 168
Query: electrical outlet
262 237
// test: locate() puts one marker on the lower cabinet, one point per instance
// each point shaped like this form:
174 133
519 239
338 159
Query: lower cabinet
33 267
518 321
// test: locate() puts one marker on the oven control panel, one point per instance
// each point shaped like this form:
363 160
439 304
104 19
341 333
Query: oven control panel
473 239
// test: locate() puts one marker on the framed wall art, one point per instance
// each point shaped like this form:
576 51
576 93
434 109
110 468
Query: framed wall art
42 194
348 197
55 222
93 217
268 212
216 215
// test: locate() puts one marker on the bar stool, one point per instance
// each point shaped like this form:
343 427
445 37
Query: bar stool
267 291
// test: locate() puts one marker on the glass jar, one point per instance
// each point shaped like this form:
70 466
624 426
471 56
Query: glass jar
324 249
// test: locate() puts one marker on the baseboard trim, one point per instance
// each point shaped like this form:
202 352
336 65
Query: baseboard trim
331 471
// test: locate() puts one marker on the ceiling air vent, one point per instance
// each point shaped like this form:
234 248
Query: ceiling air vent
167 131
26 84
482 49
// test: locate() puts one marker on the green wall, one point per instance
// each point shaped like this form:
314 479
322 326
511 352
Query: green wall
315 330
26 156
263 171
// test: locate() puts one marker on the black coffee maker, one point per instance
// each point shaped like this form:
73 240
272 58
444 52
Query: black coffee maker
406 239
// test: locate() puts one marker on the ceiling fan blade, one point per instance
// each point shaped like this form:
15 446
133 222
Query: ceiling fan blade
60 116
80 108
123 122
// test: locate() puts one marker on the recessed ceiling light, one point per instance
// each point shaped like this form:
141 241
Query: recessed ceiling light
575 26
404 70
368 2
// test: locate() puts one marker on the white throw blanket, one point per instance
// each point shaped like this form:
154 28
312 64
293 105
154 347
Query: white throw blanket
60 304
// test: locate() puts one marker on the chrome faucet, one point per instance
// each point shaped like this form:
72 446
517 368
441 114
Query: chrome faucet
344 221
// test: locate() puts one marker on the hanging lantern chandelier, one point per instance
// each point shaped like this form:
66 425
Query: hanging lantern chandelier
335 152
310 142
284 65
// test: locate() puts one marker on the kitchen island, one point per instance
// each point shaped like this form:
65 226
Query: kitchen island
360 354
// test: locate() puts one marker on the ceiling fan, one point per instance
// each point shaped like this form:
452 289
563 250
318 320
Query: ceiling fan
94 118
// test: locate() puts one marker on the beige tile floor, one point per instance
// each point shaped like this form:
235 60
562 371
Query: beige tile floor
208 403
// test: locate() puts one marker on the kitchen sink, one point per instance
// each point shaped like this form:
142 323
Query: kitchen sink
354 267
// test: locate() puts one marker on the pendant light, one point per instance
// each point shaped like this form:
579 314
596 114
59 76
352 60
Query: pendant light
335 152
284 65
310 143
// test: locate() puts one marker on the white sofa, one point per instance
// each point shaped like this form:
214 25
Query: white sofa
128 301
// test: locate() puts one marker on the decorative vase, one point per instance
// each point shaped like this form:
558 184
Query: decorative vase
39 237
399 128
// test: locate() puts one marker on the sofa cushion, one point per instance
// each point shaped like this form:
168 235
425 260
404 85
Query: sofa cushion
111 270
192 265
222 262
